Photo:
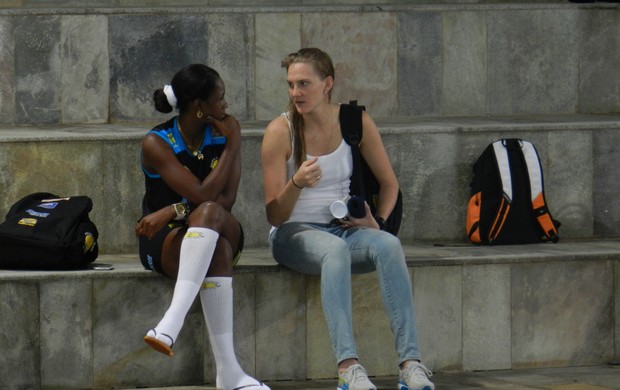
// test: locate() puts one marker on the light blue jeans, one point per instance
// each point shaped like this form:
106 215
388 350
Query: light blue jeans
335 254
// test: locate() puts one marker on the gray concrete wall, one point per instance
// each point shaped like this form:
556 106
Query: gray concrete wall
442 80
435 76
432 159
101 65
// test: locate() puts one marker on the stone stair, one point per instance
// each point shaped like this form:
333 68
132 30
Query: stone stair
477 308
442 79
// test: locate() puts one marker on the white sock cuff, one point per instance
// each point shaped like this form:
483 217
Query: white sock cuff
197 251
192 231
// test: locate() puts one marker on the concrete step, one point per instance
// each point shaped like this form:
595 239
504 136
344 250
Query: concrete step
477 308
433 159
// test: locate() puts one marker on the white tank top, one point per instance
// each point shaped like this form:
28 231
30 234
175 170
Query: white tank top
336 169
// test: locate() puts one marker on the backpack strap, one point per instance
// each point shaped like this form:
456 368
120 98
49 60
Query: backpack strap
350 117
503 165
534 171
539 204
363 182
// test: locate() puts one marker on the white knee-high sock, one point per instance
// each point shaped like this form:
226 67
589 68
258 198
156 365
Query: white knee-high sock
216 297
196 253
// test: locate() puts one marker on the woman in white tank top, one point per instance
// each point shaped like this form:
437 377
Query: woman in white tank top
306 167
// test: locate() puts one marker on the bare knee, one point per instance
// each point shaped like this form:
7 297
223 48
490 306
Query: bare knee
210 215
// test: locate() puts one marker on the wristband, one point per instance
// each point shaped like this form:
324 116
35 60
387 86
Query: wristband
295 184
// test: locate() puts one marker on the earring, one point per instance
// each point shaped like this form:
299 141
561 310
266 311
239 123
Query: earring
198 114
325 92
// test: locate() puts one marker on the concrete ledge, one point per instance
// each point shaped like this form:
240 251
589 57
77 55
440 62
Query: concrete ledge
432 157
425 255
478 308
391 125
417 255
290 6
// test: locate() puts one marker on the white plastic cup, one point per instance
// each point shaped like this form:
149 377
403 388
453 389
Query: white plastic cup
339 209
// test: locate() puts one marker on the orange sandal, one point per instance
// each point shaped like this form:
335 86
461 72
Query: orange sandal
159 345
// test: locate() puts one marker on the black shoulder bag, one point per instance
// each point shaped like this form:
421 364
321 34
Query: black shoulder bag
44 231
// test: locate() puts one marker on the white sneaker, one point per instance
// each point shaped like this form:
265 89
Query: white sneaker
354 378
415 377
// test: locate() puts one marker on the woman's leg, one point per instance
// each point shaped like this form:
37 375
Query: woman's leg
373 249
216 297
313 250
193 254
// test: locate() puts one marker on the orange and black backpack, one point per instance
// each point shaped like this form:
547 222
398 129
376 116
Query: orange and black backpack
507 204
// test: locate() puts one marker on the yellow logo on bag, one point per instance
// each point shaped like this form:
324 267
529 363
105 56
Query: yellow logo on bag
89 242
27 221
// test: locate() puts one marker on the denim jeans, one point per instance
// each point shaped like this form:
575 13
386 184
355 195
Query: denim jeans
335 254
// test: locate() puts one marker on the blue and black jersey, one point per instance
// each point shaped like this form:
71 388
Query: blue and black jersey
157 193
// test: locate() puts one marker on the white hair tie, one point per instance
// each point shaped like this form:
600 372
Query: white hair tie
172 100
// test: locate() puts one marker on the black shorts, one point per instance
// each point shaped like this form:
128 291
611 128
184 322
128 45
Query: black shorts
150 250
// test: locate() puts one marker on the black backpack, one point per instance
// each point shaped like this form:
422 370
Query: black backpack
44 231
363 182
507 204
